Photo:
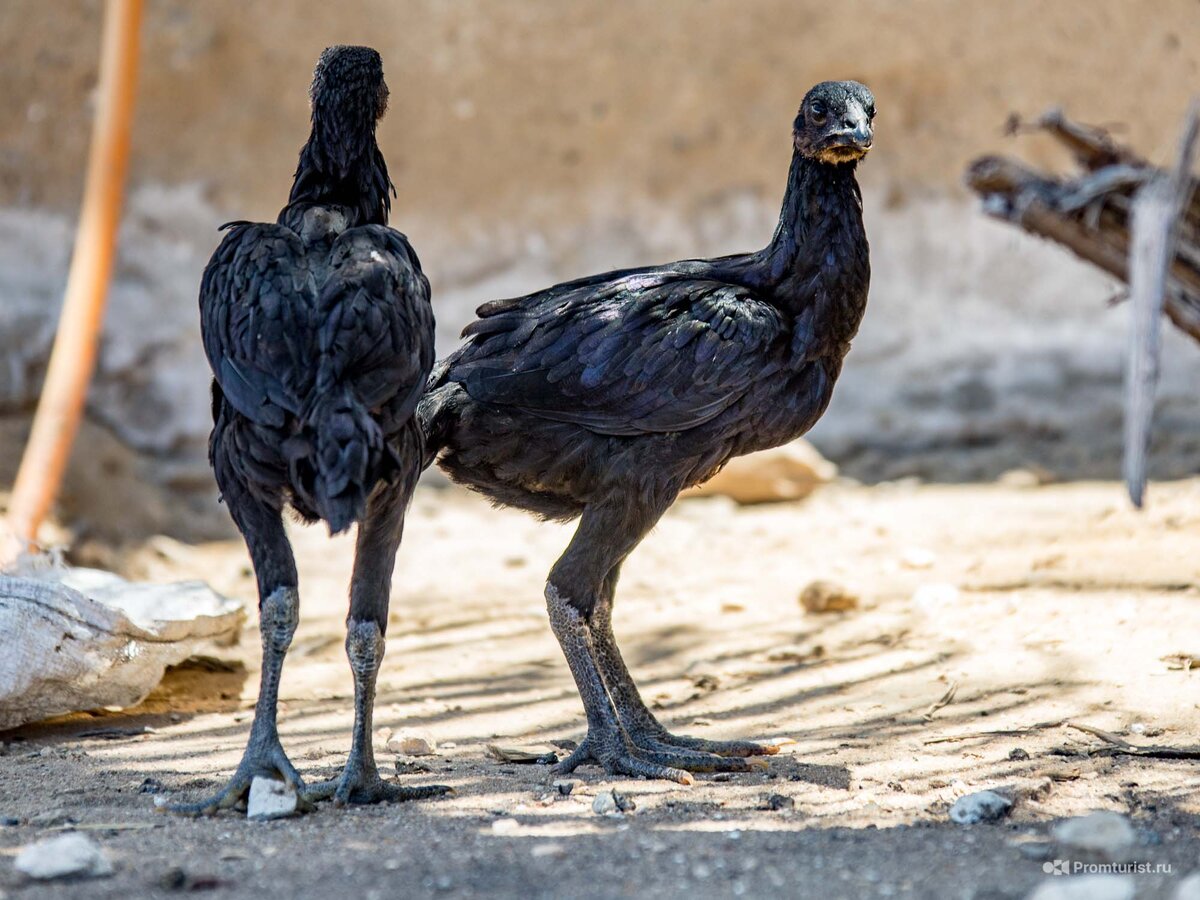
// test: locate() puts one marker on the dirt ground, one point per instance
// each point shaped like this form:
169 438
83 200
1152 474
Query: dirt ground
1044 606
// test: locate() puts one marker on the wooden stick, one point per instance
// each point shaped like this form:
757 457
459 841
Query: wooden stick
1156 209
1117 746
73 357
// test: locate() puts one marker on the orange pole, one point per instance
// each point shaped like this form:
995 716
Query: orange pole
73 357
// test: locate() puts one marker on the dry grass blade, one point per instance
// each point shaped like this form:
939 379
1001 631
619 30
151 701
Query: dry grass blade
946 700
995 732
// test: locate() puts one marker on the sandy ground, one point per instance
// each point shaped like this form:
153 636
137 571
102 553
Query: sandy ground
1043 605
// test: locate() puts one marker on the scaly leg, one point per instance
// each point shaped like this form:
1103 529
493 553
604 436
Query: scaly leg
370 589
278 612
605 536
645 730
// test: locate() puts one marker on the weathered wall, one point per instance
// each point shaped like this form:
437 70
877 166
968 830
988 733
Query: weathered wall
503 114
534 141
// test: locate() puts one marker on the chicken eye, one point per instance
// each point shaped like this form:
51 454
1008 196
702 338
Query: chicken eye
871 111
817 113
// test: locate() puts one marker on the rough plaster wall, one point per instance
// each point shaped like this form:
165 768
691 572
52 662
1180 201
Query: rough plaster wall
532 142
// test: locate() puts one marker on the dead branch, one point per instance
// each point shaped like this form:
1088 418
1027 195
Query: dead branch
1091 215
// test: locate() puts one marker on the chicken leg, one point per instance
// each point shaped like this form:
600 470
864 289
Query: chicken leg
279 612
370 588
623 735
645 730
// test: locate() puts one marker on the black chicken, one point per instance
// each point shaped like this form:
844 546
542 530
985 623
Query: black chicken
320 337
605 397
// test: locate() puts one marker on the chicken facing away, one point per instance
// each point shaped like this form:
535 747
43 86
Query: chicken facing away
603 398
319 332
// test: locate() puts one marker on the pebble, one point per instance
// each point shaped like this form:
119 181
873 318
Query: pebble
983 806
270 799
776 802
505 826
412 743
1086 887
611 803
828 596
541 754
565 786
66 855
1104 835
1017 754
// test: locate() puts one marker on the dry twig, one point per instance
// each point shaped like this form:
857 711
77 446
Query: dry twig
1118 746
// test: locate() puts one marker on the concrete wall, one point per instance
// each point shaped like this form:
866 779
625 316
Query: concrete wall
535 141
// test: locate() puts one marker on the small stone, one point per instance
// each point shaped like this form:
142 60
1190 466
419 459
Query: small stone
565 786
270 799
790 472
611 803
983 806
412 743
150 786
1105 836
65 856
828 596
1085 887
548 849
776 802
506 826
9 821
540 754
1016 754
